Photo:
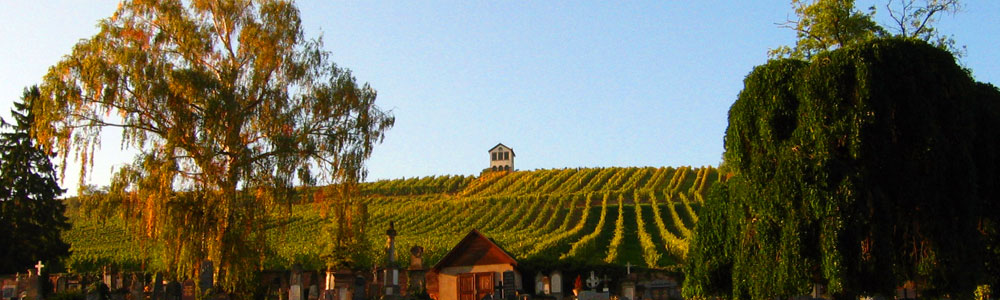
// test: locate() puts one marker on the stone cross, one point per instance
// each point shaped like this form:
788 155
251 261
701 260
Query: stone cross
628 268
39 267
593 281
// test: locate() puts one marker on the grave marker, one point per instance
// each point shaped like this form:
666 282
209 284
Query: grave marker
205 277
556 284
295 289
174 290
509 286
188 290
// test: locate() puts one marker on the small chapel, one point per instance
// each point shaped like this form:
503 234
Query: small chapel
501 158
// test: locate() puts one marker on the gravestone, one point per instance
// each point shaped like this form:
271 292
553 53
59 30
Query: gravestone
157 287
188 290
135 287
509 286
592 295
295 284
359 288
34 288
539 285
61 283
660 289
205 277
593 281
313 292
416 272
9 288
556 284
628 290
73 284
173 291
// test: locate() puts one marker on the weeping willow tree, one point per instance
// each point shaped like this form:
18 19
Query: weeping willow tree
228 106
870 166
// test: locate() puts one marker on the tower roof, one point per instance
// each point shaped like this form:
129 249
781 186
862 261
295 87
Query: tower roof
505 146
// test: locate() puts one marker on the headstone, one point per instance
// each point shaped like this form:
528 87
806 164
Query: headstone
556 284
73 284
62 284
359 288
509 285
205 277
34 284
135 287
107 278
539 285
660 289
313 292
416 258
593 281
628 290
416 279
9 288
592 295
188 290
174 290
157 287
295 283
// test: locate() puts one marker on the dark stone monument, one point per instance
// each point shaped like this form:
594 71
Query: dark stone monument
157 287
135 287
205 277
173 290
359 288
509 286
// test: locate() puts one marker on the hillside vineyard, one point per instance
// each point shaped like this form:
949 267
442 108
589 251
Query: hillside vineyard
591 216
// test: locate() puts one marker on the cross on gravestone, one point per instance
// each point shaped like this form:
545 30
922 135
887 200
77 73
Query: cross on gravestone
628 268
593 281
39 267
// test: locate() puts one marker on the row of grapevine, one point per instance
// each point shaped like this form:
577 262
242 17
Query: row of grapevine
563 234
673 244
650 254
414 186
616 241
589 242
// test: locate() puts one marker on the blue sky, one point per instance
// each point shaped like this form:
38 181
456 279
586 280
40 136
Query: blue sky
566 84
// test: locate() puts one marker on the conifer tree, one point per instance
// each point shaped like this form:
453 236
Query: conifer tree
31 217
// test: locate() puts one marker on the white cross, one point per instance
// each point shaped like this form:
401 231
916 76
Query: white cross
593 281
628 268
39 267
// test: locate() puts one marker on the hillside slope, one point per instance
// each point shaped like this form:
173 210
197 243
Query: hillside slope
591 216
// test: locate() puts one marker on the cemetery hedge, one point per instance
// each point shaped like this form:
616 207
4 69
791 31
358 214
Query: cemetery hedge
539 216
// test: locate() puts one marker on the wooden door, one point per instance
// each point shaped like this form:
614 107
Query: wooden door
484 284
467 287
475 286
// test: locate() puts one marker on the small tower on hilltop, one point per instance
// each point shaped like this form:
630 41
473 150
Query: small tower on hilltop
501 158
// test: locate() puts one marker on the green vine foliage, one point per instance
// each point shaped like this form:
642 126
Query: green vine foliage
865 168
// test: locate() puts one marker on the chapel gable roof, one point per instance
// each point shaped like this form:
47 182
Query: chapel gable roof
475 249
